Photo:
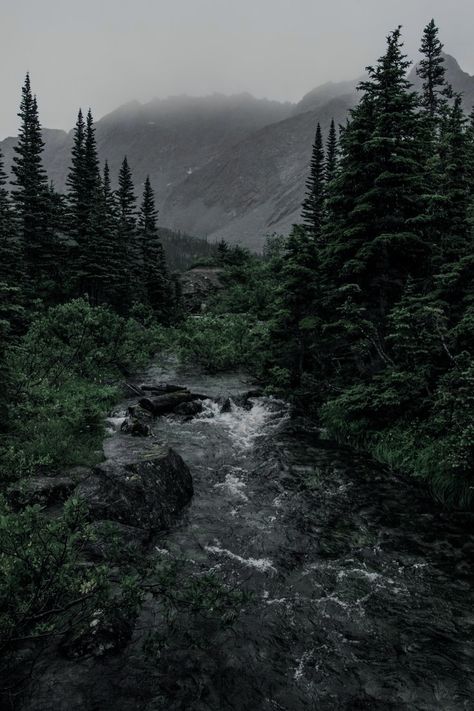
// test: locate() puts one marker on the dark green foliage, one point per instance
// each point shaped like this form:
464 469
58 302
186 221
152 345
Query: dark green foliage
43 588
371 327
331 154
75 181
183 251
30 194
376 239
10 246
127 249
61 377
313 204
432 71
154 276
372 324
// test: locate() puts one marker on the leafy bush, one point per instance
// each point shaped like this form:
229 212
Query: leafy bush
43 589
222 342
61 377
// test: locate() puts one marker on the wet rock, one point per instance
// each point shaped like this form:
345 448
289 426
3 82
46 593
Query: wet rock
113 540
198 285
164 404
46 491
189 409
226 405
139 413
135 427
146 494
106 632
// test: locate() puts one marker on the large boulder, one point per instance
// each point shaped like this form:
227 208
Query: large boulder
146 494
198 285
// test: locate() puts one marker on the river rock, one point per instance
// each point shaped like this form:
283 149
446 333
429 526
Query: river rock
136 427
164 404
146 494
226 405
106 632
189 409
46 491
110 539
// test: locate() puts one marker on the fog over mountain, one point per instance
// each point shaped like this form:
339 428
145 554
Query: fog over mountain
223 167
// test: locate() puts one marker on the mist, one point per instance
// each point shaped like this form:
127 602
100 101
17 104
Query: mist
104 54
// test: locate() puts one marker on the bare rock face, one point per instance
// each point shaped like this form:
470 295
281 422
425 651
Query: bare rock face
197 285
146 494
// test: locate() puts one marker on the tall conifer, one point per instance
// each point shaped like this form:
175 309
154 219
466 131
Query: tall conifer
75 181
30 189
331 154
155 271
128 253
313 204
432 71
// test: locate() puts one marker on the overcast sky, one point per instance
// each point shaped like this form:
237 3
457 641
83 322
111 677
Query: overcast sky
102 53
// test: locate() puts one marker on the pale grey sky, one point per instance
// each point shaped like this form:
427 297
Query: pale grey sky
102 53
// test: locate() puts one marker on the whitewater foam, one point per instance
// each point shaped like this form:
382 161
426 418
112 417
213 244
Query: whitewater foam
264 565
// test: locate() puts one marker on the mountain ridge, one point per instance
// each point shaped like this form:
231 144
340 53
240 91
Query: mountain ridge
222 166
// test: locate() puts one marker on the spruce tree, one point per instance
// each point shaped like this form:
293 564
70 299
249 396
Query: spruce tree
432 71
30 191
109 227
454 212
376 238
313 204
297 301
91 161
128 253
155 272
101 271
331 154
75 181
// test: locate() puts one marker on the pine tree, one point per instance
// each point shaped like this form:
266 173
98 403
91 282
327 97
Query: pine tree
331 154
75 181
222 251
103 277
456 186
313 204
109 227
375 239
297 298
30 190
155 271
128 252
91 161
432 71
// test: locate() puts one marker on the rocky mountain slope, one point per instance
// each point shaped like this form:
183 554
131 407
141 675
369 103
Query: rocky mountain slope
223 167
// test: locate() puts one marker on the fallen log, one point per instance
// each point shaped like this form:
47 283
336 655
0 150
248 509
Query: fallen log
134 389
162 388
163 404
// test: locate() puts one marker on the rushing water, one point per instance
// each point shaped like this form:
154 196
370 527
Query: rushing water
360 585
